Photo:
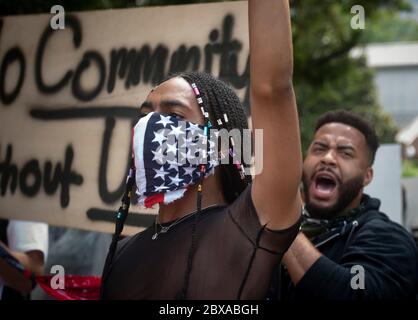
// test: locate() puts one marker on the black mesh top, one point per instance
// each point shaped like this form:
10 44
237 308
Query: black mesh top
235 257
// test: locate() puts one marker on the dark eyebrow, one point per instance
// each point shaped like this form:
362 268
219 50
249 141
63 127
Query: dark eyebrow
164 104
346 147
173 103
320 143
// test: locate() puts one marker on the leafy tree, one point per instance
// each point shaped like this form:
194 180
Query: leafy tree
390 26
326 77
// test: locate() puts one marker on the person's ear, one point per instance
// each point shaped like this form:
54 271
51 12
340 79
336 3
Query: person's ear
368 177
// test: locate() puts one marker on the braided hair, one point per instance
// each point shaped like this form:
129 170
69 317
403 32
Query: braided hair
220 99
222 109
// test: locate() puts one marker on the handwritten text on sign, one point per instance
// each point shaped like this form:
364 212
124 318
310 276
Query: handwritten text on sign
70 96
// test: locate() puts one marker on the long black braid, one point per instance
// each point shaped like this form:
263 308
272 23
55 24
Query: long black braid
121 216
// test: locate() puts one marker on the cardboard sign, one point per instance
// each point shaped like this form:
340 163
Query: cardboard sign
68 99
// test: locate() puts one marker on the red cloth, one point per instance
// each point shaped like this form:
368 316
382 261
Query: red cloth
75 288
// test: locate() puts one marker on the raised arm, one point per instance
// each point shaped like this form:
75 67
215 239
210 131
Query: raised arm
275 191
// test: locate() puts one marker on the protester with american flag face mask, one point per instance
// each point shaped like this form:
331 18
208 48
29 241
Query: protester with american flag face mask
219 234
168 155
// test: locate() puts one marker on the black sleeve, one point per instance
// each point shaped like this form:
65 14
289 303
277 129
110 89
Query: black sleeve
386 252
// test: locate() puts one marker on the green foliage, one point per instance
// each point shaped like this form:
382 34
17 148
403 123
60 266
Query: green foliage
409 168
326 77
390 26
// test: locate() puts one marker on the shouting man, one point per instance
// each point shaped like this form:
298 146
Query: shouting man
347 249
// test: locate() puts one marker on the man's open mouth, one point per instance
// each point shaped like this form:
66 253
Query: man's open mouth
324 185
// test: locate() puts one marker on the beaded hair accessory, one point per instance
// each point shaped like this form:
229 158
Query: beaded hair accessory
208 125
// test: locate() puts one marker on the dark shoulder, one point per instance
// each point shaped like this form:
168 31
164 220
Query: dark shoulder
128 241
123 243
378 226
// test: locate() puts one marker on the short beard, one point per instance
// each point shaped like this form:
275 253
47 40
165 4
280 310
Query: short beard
346 194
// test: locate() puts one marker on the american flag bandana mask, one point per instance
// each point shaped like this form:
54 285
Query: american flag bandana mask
167 153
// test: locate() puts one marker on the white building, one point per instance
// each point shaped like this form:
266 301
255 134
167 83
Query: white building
396 79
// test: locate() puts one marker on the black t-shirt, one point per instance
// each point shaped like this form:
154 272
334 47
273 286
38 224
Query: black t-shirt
235 257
